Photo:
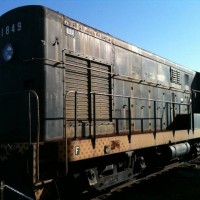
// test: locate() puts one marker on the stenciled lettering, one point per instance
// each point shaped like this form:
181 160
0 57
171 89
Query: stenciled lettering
13 28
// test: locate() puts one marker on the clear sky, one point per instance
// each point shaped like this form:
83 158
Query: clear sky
168 28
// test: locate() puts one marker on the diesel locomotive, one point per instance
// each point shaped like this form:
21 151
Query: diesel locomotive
82 109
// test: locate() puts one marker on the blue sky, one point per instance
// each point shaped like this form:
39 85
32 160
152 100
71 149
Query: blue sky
168 28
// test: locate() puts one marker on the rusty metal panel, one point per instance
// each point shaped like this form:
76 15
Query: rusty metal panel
127 88
161 109
167 95
137 112
79 42
163 76
155 108
106 51
186 99
137 106
96 50
136 69
167 98
149 70
150 106
123 89
122 61
144 106
120 101
133 108
88 46
70 43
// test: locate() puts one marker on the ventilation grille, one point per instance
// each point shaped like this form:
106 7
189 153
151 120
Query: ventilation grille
175 76
86 77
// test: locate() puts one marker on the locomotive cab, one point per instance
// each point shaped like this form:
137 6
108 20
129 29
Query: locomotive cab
27 79
21 34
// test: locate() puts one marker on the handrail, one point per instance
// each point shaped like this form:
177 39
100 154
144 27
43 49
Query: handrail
131 97
38 134
198 91
35 95
65 134
3 186
155 118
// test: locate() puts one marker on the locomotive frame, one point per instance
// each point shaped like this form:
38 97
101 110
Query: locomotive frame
79 104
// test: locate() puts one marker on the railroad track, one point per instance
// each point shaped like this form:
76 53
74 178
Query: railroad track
194 163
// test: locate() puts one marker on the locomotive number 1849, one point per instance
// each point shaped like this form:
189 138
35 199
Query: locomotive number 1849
11 29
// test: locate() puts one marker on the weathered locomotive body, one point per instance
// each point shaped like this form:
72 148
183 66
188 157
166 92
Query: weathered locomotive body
79 104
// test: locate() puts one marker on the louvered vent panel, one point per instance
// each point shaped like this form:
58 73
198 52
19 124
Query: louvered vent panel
100 84
79 73
76 79
175 76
